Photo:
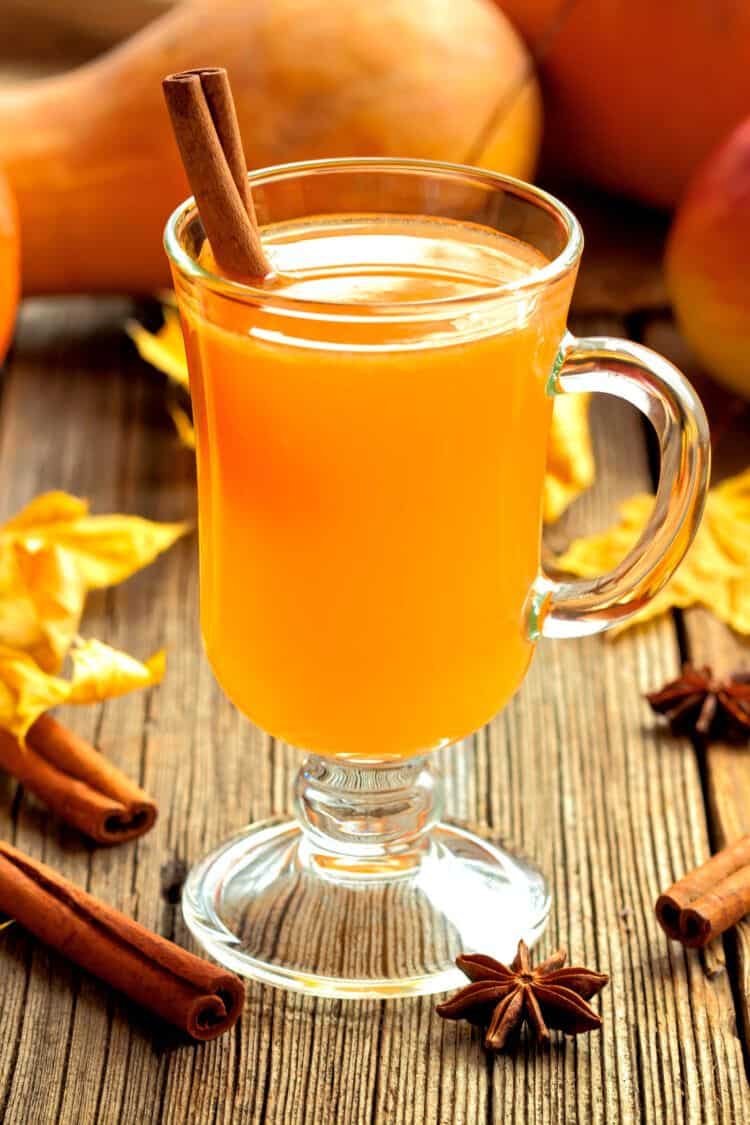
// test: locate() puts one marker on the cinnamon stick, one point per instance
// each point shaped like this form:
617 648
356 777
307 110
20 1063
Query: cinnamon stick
705 879
205 126
202 999
716 910
214 82
77 783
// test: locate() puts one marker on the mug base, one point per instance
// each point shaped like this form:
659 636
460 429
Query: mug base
268 906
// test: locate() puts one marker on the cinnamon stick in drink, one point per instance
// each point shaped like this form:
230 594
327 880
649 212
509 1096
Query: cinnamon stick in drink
214 82
194 995
205 126
696 884
77 783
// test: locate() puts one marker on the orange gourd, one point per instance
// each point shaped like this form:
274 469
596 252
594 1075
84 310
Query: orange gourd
95 168
637 92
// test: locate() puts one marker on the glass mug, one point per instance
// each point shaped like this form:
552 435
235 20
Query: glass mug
371 438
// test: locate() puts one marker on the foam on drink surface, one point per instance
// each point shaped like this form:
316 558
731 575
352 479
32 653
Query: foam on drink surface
385 259
363 260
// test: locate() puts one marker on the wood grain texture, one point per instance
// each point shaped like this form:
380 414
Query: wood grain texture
574 772
709 641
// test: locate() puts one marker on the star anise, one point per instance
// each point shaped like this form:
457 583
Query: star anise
700 703
503 997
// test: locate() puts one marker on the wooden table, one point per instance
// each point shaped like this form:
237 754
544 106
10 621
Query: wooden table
575 771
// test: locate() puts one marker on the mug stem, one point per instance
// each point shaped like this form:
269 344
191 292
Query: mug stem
372 819
364 894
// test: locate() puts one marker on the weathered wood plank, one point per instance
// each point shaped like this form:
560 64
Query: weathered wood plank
709 641
615 806
71 424
571 772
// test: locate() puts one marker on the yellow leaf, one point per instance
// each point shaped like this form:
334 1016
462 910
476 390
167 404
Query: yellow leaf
570 460
716 570
107 549
101 672
183 424
163 349
26 691
51 554
56 589
41 601
49 508
19 623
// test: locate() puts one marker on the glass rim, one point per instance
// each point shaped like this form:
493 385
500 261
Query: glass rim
332 309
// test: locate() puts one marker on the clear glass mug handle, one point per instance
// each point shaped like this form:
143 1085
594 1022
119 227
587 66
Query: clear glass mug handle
653 385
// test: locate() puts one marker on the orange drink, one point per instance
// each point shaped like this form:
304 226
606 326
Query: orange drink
370 509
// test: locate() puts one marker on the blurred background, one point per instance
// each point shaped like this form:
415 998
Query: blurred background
643 100
44 36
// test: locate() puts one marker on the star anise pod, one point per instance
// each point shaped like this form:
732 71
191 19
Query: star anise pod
503 997
700 703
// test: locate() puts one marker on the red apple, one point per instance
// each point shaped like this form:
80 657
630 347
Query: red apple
9 264
708 262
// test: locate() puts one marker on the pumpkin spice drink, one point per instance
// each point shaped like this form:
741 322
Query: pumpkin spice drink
372 411
364 577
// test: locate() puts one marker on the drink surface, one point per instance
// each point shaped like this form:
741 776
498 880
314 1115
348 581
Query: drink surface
370 493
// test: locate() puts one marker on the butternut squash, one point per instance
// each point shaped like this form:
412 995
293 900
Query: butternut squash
96 172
